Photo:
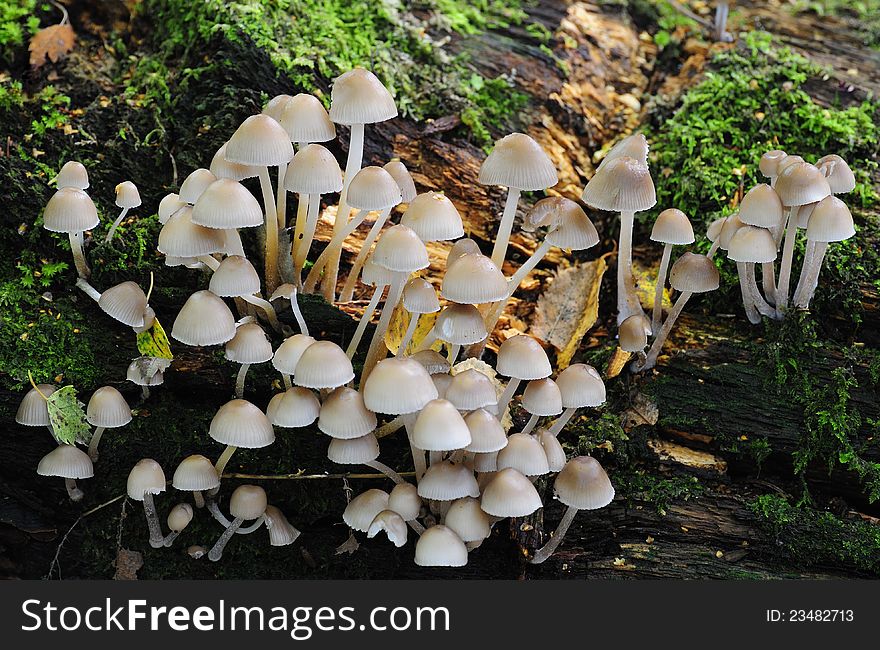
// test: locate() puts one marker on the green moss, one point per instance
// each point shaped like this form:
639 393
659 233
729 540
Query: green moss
17 22
865 15
658 491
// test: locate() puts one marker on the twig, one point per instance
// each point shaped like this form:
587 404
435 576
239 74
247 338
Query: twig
307 477
60 7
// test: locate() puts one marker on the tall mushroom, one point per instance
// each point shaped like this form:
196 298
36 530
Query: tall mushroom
831 221
236 277
238 423
671 228
379 278
522 359
752 245
146 479
581 387
127 197
107 409
762 207
71 211
419 298
247 502
227 205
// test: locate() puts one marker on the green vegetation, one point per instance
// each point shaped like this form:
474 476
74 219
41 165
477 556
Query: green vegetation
658 492
865 15
17 23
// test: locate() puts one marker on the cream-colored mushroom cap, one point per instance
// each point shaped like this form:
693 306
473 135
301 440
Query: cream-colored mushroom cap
694 273
375 275
127 195
169 204
583 484
510 494
787 161
461 248
323 365
358 97
761 207
434 362
715 228
235 276
33 410
260 141
399 249
552 449
800 184
523 453
138 374
581 386
66 461
227 204
548 212
282 291
440 427
72 174
281 531
440 546
179 517
474 279
393 525
194 474
204 319
294 408
542 397
752 244
248 502
445 481
276 105
623 185
633 146
373 188
145 477
353 451
460 325
728 230
361 510
487 434
344 415
398 386
125 302
467 520
633 333
195 184
222 168
433 217
239 423
304 118
313 170
403 178
419 297
769 164
180 237
840 177
831 221
249 345
673 227
573 231
289 353
70 210
486 463
518 161
107 408
404 499
522 357
471 389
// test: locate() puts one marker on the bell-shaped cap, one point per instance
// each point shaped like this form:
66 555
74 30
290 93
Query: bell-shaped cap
70 210
673 227
180 237
434 362
72 174
800 184
195 184
398 386
67 461
728 229
127 195
323 365
33 410
145 477
440 427
249 345
787 161
761 207
222 168
375 276
281 531
227 204
403 178
440 546
471 389
204 319
107 408
581 386
313 170
146 371
510 494
344 415
446 481
583 484
623 185
567 223
518 161
126 302
248 502
542 397
461 248
840 177
239 423
433 217
304 118
769 163
487 466
522 357
353 451
694 273
169 204
487 434
394 526
552 450
358 97
419 297
289 353
260 141
361 510
525 454
467 520
713 232
180 517
633 333
633 146
400 250
294 408
752 244
474 279
235 276
460 325
373 188
194 474
831 221
404 499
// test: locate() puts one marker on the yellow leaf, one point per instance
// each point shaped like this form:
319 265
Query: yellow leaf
646 285
397 329
154 343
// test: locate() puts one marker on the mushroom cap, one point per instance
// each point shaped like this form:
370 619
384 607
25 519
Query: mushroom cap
581 386
373 188
461 248
137 371
399 249
403 178
634 146
800 184
281 531
471 389
522 357
831 221
694 273
107 408
145 477
249 345
169 204
238 423
222 168
573 230
361 510
510 494
195 184
434 362
398 386
404 499
633 333
715 228
294 408
248 502
518 161
542 397
70 210
460 325
33 410
353 451
523 453
761 206
550 211
204 319
66 461
323 365
344 415
769 164
289 353
446 481
179 517
126 302
235 276
440 427
260 141
419 297
304 118
127 195
440 546
313 170
358 97
752 244
486 463
673 227
375 275
552 450
393 524
622 185
583 484
840 177
180 237
276 105
194 474
283 291
487 434
467 520
72 174
474 279
227 204
731 224
433 217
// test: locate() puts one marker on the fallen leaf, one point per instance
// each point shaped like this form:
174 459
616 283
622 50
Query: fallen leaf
349 546
397 329
67 417
646 286
641 411
154 342
482 367
617 363
52 43
127 564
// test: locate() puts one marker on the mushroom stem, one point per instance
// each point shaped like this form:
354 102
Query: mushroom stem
561 421
387 471
73 492
170 537
145 392
364 321
787 258
721 13
216 551
768 281
530 425
512 285
221 463
267 309
627 300
454 352
79 258
352 167
271 218
429 340
303 239
253 527
216 514
157 539
281 198
334 244
210 261
416 526
420 464
299 225
651 359
115 225
94 442
377 347
505 227
198 499
407 336
435 458
390 427
745 290
297 313
713 248
809 253
506 396
233 242
811 276
547 550
757 299
351 281
239 381
88 289
657 314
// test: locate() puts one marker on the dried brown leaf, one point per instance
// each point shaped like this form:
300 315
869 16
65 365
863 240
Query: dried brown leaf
52 43
127 564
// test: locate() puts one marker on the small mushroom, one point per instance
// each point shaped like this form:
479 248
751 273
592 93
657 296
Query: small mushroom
107 409
467 520
671 228
238 423
125 302
236 277
487 434
249 346
288 355
182 240
71 211
552 450
522 359
178 519
146 372
470 389
393 525
196 474
281 531
419 298
247 502
323 365
227 205
769 164
581 386
510 494
69 463
831 221
222 168
294 408
72 174
762 207
525 454
204 320
749 246
457 325
541 398
33 411
146 479
447 481
362 510
632 336
440 546
439 428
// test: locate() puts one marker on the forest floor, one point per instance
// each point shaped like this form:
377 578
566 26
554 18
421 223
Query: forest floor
750 452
